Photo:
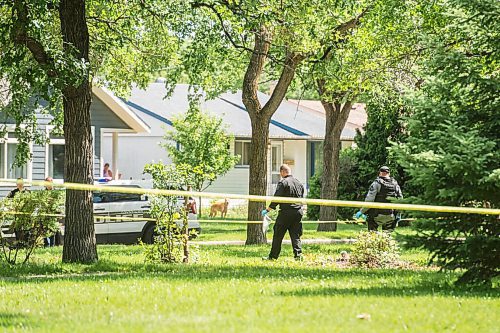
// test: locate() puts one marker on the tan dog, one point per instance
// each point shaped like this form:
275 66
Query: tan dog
219 206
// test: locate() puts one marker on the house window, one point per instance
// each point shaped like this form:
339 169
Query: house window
12 170
56 161
8 149
54 166
242 149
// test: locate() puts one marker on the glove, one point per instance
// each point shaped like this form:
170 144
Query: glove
358 214
264 212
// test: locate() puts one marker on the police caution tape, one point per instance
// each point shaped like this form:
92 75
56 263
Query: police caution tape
258 198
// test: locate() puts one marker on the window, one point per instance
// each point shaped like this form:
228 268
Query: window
117 196
242 148
56 161
54 157
8 150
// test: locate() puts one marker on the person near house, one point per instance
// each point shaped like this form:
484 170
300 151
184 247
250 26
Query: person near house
19 188
54 239
382 190
106 171
191 206
289 216
21 235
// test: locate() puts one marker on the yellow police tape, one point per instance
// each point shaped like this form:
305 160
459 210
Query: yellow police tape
259 198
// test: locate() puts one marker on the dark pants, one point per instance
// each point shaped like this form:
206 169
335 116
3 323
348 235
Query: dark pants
53 240
287 220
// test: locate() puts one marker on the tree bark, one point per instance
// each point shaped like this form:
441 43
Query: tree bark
79 237
258 178
260 117
336 118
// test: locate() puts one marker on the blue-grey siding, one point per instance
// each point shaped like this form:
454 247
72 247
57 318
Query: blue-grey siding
101 117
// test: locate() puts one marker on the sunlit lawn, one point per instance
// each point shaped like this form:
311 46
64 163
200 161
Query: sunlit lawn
230 289
237 231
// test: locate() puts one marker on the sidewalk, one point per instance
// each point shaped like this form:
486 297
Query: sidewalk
286 241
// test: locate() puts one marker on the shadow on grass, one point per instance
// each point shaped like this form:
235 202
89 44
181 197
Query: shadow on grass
388 283
425 287
14 320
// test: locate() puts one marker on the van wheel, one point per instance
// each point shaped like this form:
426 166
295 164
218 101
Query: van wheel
149 235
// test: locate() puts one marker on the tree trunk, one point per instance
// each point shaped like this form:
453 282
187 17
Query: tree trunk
79 237
199 208
260 116
258 178
336 118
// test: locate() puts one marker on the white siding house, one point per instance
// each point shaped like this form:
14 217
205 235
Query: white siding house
296 134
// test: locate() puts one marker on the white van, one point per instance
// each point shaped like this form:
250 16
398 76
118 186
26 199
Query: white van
114 204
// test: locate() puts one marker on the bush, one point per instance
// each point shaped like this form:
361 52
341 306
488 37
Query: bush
171 232
347 188
374 250
35 217
314 193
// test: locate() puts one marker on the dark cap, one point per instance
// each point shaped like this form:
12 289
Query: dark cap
384 169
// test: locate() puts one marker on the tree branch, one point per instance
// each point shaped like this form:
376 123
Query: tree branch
226 31
20 36
254 70
287 73
342 30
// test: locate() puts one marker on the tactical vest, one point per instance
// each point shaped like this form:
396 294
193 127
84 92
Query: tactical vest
387 189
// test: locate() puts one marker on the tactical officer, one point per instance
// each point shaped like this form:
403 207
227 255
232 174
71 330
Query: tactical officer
289 216
382 188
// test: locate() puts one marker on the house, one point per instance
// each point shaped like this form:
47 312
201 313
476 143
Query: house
108 115
296 134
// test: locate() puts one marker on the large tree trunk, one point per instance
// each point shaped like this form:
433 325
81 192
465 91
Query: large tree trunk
258 178
336 118
79 236
260 116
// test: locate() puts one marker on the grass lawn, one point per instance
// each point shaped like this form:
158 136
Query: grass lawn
233 231
230 289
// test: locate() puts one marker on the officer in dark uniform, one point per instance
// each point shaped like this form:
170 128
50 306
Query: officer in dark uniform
382 188
290 215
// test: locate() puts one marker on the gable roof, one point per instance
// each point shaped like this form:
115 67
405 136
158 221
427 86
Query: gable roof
122 111
290 121
357 117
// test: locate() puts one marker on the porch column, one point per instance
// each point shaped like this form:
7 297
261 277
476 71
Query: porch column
114 152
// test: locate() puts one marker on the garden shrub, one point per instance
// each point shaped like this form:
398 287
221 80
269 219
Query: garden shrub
347 188
35 218
374 250
171 232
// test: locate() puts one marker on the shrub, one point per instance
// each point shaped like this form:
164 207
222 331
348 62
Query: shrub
315 193
32 216
374 250
171 231
347 189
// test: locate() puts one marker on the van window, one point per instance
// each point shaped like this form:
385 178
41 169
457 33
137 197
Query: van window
116 197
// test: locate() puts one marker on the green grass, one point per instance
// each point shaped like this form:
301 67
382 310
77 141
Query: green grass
230 289
233 231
